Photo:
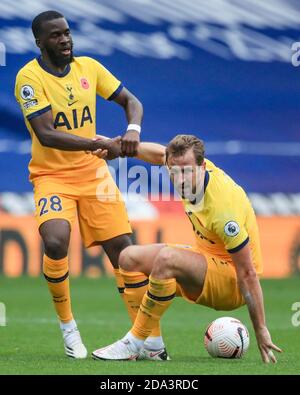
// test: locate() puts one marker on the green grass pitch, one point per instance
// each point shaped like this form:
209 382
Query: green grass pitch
31 341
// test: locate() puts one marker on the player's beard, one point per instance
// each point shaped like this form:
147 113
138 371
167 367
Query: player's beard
58 59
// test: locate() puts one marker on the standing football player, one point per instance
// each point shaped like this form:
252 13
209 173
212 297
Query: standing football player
57 95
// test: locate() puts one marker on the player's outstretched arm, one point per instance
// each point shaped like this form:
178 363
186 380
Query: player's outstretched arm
152 153
252 292
49 137
149 152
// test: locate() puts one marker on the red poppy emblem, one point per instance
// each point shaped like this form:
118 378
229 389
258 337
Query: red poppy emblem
84 83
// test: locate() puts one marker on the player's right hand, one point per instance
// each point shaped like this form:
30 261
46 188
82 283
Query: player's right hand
101 153
109 148
266 346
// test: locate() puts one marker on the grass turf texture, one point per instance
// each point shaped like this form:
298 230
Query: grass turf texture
31 342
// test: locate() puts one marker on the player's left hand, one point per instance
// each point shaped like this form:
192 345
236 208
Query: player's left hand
130 142
266 345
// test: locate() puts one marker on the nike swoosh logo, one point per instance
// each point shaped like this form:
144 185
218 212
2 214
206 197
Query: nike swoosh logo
70 104
153 354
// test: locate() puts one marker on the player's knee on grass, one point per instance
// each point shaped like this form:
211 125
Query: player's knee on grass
165 263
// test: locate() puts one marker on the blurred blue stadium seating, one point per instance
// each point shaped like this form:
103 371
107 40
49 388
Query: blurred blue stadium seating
221 72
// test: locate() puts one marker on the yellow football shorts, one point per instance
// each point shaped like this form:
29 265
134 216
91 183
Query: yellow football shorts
98 204
220 290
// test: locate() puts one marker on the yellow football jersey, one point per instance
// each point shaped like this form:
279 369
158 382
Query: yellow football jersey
71 96
224 221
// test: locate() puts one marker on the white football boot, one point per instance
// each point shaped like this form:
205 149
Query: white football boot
74 347
153 355
121 350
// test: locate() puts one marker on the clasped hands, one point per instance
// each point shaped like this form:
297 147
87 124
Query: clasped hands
118 146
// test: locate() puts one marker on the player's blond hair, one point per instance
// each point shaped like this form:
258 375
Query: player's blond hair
181 143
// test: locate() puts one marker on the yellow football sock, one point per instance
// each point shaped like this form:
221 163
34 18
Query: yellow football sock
120 283
155 302
121 288
57 276
136 284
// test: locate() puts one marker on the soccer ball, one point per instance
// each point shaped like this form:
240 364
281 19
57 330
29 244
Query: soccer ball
226 337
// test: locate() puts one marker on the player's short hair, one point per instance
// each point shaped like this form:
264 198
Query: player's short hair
38 21
181 143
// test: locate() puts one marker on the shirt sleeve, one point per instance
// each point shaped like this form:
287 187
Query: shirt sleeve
232 231
30 95
108 86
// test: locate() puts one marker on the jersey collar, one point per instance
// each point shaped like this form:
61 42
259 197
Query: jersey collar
46 68
206 180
